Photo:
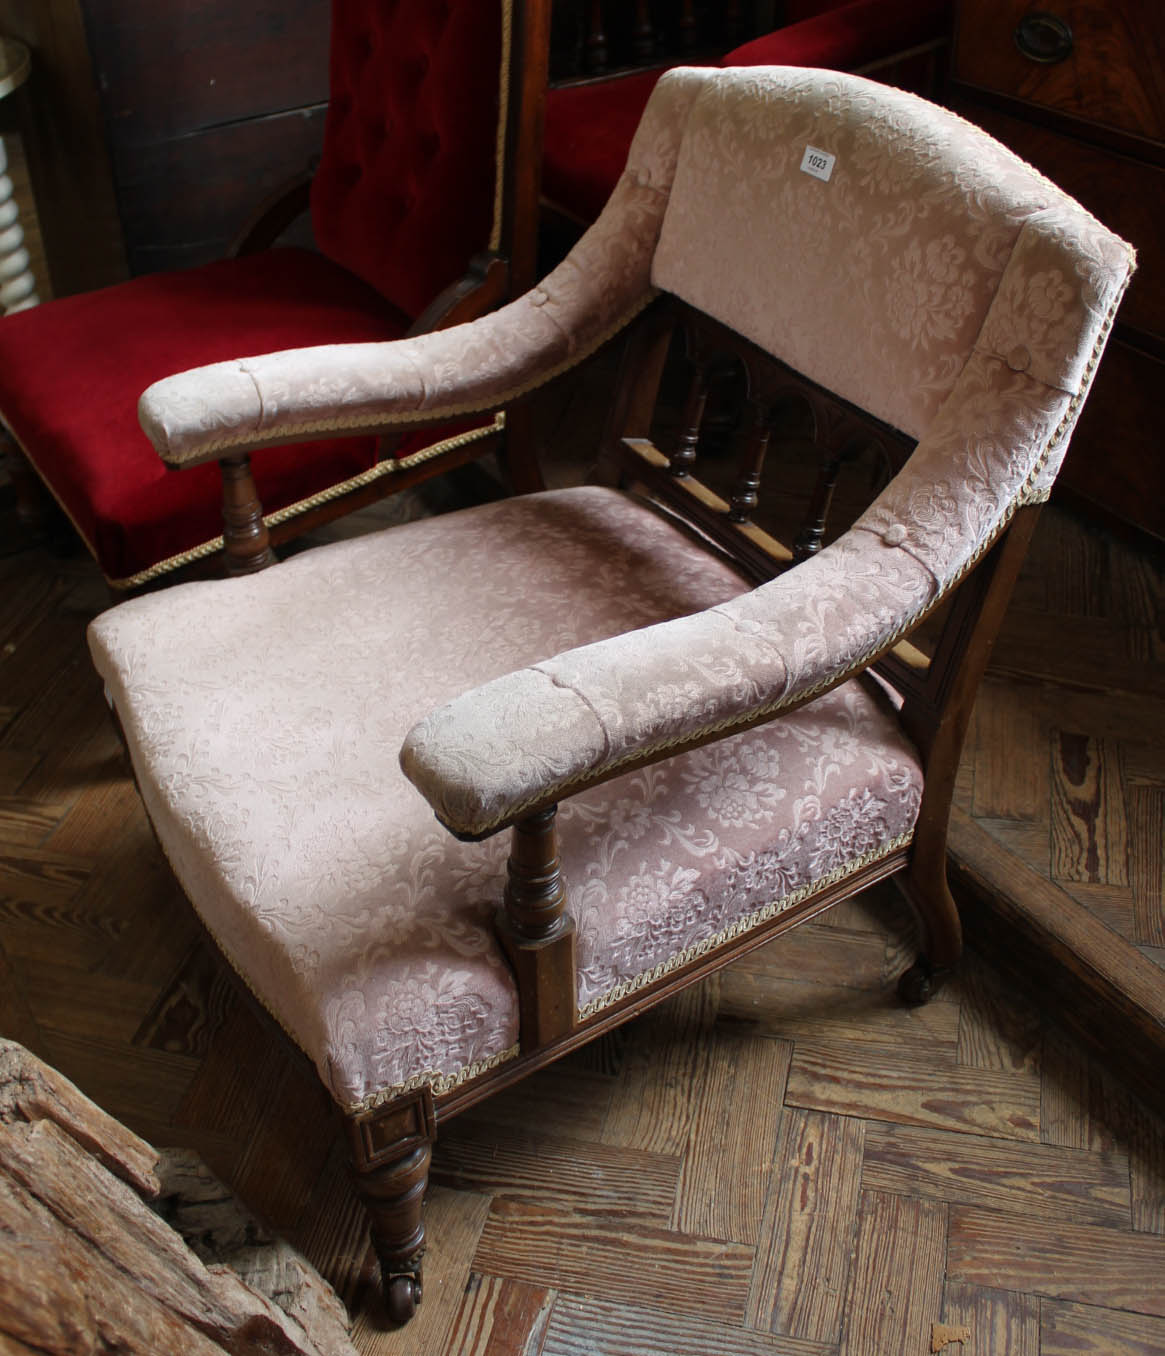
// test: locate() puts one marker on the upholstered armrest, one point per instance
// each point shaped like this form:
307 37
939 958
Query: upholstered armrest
493 754
236 406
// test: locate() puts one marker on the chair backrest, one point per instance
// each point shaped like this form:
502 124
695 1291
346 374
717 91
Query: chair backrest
809 205
410 181
900 258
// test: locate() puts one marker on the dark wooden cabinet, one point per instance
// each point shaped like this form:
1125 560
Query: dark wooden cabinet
209 107
1077 87
156 129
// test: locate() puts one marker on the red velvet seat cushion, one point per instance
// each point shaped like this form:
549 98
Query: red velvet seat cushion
847 36
71 372
589 127
588 134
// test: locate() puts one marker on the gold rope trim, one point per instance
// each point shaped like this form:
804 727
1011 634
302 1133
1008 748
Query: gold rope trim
442 1083
495 235
438 1082
758 715
742 925
324 496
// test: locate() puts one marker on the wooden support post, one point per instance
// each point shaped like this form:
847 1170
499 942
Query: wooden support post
245 542
596 43
538 934
34 505
687 26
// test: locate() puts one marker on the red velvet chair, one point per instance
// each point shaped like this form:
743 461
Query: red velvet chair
589 125
424 168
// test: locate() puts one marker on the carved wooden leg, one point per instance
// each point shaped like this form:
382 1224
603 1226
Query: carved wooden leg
391 1149
41 518
924 883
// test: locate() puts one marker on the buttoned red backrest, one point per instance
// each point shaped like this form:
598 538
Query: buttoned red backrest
404 193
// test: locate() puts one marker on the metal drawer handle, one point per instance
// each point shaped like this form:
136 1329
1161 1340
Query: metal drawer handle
1043 37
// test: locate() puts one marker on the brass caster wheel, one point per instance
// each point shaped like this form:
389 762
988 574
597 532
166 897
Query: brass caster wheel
402 1294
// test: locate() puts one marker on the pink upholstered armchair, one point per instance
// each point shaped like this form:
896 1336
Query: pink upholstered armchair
699 736
419 211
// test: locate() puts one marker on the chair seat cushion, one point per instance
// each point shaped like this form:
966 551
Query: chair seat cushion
265 715
71 372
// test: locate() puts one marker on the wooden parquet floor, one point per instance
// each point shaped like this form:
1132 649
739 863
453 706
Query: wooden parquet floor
1066 758
782 1163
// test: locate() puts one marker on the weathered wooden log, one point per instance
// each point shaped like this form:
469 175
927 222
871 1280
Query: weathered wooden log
219 1229
32 1091
88 1266
61 1296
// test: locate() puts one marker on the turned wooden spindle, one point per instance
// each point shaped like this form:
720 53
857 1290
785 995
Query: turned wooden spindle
809 539
535 898
812 534
687 442
537 933
246 544
734 19
744 496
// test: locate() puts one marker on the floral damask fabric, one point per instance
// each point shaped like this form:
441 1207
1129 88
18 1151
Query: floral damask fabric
264 716
485 756
982 297
903 244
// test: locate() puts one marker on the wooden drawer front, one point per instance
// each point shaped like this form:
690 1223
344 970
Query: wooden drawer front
1114 459
1128 197
1115 73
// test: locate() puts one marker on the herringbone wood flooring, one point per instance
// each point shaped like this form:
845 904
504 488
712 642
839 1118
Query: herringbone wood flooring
783 1161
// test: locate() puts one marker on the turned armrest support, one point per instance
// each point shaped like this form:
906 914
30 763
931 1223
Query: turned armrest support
246 542
537 933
